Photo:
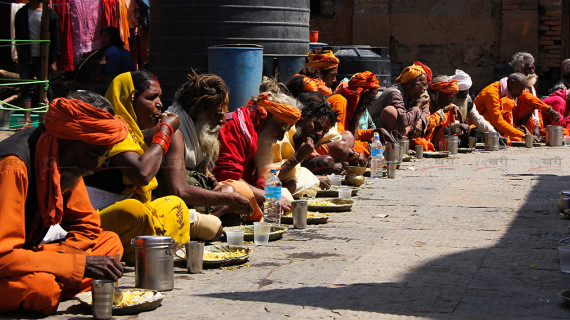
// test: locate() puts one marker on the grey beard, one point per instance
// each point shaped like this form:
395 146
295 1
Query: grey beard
209 143
462 104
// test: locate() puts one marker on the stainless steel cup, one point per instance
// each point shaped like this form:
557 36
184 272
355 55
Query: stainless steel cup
299 208
491 141
528 140
405 144
194 256
392 167
472 142
102 294
154 262
419 152
554 135
452 143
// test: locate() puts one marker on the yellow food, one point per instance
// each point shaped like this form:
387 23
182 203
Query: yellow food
311 214
322 203
224 255
130 297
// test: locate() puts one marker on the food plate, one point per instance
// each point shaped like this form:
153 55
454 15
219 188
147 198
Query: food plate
465 150
276 232
333 191
216 256
407 158
480 145
312 218
135 300
331 205
436 154
537 144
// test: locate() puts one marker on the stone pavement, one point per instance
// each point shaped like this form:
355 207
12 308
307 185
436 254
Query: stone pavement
469 237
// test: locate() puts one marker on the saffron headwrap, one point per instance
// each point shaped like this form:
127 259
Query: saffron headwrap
448 88
314 85
281 111
413 71
358 84
71 120
324 61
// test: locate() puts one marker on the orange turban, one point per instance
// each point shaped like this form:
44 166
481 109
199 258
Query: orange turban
281 111
71 120
449 88
314 85
324 61
365 80
413 71
358 84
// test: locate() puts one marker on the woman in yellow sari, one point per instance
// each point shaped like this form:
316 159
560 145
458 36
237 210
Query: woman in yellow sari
135 97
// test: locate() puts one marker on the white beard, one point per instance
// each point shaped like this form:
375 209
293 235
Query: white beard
264 156
208 138
532 79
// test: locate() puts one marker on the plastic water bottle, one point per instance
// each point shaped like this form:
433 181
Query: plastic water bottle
377 158
271 207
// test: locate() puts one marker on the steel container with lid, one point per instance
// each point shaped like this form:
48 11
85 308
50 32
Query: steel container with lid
154 262
452 144
564 201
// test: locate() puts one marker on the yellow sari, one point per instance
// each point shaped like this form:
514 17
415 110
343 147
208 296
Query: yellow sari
141 215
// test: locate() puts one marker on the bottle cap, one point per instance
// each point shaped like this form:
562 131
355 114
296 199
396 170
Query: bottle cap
376 136
273 170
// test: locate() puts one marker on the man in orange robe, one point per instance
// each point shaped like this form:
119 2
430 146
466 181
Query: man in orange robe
526 104
41 174
327 64
488 103
350 103
443 112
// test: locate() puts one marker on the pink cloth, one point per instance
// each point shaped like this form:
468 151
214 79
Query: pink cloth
85 25
557 100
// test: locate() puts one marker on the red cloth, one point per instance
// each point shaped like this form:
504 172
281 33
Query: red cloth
65 61
238 144
109 13
557 100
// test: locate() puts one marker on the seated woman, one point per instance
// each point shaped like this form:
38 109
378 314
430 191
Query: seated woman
201 103
132 165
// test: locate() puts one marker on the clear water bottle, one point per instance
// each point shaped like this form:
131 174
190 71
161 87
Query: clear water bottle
271 207
377 158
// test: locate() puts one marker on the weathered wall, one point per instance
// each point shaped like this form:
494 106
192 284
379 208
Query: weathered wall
477 36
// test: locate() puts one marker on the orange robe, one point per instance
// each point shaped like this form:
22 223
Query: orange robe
36 279
363 136
434 121
488 104
526 104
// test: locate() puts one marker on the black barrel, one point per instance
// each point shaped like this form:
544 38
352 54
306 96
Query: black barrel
359 58
182 31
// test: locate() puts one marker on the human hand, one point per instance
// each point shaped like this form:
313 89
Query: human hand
503 141
305 149
285 204
170 118
554 114
103 267
239 204
324 182
385 136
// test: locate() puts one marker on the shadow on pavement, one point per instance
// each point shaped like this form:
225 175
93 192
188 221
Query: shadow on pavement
519 277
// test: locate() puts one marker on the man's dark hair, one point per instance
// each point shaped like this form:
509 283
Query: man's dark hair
295 86
316 105
115 35
201 91
94 99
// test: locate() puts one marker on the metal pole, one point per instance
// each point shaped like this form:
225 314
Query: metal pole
44 53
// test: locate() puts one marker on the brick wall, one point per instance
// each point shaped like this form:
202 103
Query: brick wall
550 35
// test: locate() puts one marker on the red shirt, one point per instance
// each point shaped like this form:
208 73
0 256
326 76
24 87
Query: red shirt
238 144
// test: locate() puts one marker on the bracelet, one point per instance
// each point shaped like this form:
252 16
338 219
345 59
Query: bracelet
163 140
165 124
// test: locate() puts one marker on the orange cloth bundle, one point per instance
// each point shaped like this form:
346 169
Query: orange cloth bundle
72 120
314 85
413 71
449 88
324 61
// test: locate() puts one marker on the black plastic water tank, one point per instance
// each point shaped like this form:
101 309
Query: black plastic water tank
359 58
182 31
